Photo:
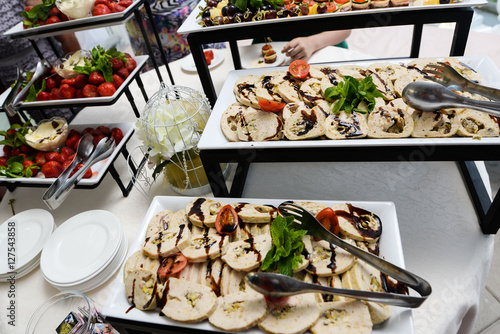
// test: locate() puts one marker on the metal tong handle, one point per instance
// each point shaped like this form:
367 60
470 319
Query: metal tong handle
492 108
7 103
294 287
402 275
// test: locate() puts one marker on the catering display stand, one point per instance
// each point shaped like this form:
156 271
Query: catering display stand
488 212
86 24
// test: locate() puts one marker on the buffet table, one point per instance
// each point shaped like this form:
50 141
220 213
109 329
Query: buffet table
441 237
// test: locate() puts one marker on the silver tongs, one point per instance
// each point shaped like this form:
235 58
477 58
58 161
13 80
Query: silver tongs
62 186
280 286
14 100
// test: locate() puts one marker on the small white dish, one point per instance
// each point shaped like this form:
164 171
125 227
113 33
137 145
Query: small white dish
251 55
30 231
188 61
81 246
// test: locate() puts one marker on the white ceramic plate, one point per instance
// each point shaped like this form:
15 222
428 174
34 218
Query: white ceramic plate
213 138
117 305
251 55
32 230
81 246
98 170
88 100
191 23
188 65
68 26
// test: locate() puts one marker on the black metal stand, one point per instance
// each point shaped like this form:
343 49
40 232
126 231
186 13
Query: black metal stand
461 16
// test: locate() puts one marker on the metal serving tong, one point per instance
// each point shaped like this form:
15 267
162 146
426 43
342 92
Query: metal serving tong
62 186
14 100
279 285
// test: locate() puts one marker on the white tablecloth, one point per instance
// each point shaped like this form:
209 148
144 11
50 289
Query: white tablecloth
441 238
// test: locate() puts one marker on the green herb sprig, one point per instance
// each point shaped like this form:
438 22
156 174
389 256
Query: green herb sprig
15 168
285 254
244 4
100 62
350 92
38 12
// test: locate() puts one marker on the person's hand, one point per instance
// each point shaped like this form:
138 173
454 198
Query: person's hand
299 48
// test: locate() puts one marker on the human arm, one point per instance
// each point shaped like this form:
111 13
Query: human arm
304 47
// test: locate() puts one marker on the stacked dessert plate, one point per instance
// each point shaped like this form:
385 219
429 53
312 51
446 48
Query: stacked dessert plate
22 238
84 252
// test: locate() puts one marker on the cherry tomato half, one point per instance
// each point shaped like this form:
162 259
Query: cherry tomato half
328 218
271 106
226 221
171 265
299 68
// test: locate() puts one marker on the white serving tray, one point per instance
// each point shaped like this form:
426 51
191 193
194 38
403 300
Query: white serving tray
191 24
83 101
117 305
213 138
92 22
98 170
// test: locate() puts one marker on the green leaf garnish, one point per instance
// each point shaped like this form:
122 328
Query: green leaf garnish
284 255
351 92
100 62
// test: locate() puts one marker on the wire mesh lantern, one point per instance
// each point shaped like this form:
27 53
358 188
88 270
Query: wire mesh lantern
171 126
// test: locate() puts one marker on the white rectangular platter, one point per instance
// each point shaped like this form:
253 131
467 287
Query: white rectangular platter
213 138
141 60
98 170
91 22
117 305
191 24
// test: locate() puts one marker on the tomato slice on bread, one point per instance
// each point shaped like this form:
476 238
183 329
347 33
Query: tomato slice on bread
328 218
299 68
271 106
171 265
226 221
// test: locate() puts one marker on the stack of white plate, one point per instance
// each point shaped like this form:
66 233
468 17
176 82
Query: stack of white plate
22 238
84 252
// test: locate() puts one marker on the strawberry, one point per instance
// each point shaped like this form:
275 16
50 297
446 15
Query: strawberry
104 130
63 17
90 91
116 63
117 135
73 141
96 78
53 19
16 151
125 3
106 89
88 173
67 92
7 150
88 130
28 8
116 8
40 158
117 80
26 149
71 82
50 83
101 9
101 2
55 156
52 169
67 151
24 155
54 94
54 12
123 72
79 94
130 64
3 161
73 132
58 79
66 164
81 80
43 96
27 164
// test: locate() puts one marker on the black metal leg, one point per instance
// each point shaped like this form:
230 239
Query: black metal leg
141 87
239 179
214 175
138 17
462 28
132 102
488 212
235 53
195 42
37 49
416 40
158 41
116 176
54 48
